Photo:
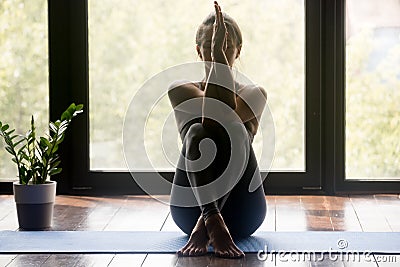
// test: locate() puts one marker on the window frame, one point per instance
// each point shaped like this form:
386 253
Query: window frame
335 81
82 180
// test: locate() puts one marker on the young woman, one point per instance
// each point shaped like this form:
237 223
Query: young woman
236 212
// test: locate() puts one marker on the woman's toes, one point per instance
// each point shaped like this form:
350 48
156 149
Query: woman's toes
181 251
238 253
198 251
231 254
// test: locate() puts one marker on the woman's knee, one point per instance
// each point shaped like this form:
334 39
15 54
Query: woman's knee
196 131
185 217
194 138
244 228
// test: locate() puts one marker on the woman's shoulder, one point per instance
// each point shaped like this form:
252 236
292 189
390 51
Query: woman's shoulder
183 83
251 89
181 90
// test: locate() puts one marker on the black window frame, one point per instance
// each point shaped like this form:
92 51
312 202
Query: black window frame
82 180
334 77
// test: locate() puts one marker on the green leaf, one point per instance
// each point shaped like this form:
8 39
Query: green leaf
18 142
10 132
8 141
66 116
44 160
45 142
55 171
5 127
64 124
55 164
23 178
24 155
53 127
71 108
21 149
10 150
60 139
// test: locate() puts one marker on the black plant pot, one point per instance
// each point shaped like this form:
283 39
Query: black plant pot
35 204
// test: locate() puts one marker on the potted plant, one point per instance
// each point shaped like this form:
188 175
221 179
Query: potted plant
37 161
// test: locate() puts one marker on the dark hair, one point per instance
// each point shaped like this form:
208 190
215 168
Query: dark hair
231 26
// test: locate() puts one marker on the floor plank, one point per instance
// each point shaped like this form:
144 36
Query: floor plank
8 214
6 259
131 260
160 260
139 213
73 210
102 214
201 261
369 214
10 221
269 223
31 260
93 260
170 225
61 260
7 204
317 213
389 205
290 215
342 213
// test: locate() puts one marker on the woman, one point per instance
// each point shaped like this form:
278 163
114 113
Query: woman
236 212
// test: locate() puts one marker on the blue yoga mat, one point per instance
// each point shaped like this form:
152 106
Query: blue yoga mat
170 242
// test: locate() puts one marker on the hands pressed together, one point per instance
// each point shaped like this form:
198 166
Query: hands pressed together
219 38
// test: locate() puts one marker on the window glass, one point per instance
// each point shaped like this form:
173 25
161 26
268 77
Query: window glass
130 41
372 89
23 71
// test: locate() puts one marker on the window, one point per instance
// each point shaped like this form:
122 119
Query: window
309 67
129 42
23 71
372 90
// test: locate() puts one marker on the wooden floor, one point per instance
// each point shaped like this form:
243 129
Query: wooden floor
367 213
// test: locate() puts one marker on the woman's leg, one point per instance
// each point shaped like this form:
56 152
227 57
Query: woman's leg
236 214
245 211
185 204
185 210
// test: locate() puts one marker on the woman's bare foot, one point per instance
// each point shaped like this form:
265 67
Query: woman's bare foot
220 238
198 241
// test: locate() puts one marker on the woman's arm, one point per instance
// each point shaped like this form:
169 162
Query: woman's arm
220 84
251 101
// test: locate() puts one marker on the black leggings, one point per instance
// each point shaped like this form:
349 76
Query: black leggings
243 211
